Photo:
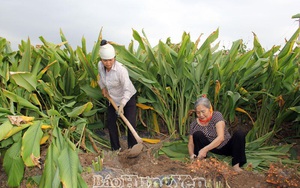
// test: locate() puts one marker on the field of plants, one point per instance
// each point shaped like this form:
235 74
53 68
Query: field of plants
50 99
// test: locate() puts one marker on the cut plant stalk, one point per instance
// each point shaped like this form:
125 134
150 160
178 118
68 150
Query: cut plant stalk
98 163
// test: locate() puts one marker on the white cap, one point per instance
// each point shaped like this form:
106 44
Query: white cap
107 51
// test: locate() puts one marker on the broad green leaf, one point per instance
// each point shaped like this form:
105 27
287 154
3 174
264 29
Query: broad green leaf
25 63
53 112
257 46
59 139
5 110
46 89
271 52
125 56
234 97
50 176
138 38
16 129
95 51
207 84
172 154
167 52
14 165
87 65
175 149
68 166
91 92
69 48
81 182
90 113
9 141
36 65
258 142
296 109
31 144
35 99
242 61
5 128
25 79
4 70
83 45
45 69
254 162
228 62
17 99
69 81
81 109
289 45
184 49
250 74
210 39
69 105
200 68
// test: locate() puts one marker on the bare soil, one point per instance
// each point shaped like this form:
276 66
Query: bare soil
210 172
149 170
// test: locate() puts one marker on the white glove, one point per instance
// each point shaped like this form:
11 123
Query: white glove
121 109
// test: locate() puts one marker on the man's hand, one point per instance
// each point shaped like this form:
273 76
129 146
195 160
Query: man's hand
121 109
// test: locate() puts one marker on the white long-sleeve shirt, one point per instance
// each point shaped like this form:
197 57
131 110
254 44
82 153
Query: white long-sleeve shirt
117 82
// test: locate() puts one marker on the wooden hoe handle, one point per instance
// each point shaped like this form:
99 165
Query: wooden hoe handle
134 133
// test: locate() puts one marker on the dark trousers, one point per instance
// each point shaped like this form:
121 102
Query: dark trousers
130 114
235 147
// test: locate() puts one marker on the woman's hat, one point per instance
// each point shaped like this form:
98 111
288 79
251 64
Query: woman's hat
107 51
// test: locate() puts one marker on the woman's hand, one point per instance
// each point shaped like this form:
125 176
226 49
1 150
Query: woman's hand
202 153
192 157
104 92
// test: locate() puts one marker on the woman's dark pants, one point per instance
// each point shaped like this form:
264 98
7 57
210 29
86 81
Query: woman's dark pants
130 114
235 146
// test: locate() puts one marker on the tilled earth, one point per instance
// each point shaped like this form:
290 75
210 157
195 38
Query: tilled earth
149 170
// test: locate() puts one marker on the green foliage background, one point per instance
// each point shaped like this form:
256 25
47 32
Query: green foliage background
57 85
